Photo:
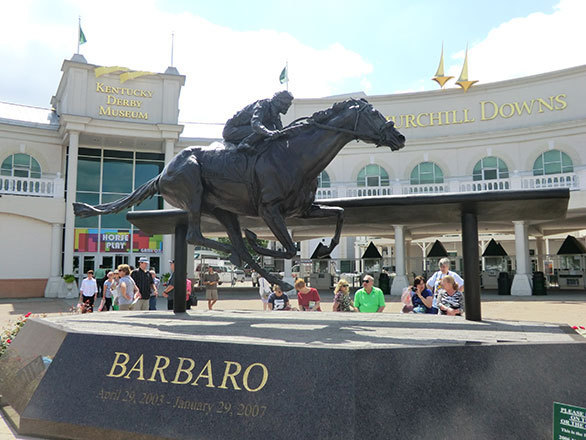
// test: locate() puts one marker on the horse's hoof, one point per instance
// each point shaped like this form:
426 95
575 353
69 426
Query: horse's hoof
286 286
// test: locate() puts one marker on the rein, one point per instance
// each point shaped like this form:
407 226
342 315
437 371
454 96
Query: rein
354 133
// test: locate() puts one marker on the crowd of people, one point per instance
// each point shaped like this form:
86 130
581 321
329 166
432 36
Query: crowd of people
137 289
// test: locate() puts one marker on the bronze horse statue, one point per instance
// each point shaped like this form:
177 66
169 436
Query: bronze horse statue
278 181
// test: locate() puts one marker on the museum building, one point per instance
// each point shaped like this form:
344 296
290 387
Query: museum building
110 129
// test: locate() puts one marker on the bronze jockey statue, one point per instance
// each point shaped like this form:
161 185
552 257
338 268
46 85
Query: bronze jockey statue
257 121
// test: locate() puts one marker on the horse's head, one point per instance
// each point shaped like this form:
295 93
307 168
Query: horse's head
371 126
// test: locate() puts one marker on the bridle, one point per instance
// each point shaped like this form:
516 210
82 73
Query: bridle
354 132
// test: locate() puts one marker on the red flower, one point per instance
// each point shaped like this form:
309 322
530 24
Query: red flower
28 314
8 341
575 327
582 327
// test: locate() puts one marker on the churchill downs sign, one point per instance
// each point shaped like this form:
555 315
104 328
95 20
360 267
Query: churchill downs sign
487 111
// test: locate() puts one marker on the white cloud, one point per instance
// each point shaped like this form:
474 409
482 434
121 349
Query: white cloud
529 45
225 69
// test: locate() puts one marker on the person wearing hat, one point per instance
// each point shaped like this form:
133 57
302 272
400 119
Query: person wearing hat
170 286
145 283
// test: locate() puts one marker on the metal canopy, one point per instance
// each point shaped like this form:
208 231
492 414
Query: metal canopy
375 215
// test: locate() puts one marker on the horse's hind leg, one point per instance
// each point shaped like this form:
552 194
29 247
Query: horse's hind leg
183 188
232 225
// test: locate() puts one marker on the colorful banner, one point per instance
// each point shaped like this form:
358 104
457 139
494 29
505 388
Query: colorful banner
147 244
114 240
86 240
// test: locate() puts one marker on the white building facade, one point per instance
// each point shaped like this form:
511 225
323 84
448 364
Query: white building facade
112 129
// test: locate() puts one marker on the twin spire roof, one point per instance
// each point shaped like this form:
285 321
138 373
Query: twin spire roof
463 81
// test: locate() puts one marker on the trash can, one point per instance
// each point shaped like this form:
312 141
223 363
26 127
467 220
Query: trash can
539 284
384 284
504 283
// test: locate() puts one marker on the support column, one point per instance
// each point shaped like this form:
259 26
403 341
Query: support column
539 248
522 281
400 281
71 189
179 295
471 269
56 287
167 239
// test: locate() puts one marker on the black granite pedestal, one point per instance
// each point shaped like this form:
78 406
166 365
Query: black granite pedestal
289 375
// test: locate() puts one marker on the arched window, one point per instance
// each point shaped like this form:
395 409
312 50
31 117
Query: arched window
426 173
373 175
20 165
323 180
552 162
490 168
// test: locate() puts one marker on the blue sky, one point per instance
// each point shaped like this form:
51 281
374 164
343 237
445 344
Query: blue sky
402 40
232 51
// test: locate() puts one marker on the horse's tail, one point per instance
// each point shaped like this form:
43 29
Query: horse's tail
141 193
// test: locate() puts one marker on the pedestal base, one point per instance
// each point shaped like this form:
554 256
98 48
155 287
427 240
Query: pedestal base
521 285
288 375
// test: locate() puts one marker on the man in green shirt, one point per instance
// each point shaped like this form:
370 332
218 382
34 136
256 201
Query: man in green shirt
369 299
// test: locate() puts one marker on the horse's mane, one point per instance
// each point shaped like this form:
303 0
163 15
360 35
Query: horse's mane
322 116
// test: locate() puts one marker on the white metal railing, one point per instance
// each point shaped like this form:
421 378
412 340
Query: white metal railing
326 193
368 191
485 185
431 188
565 180
29 186
457 184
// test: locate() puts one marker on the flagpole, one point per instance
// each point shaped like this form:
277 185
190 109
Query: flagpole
78 32
172 46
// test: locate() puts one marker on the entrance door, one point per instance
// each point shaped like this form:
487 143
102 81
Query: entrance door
88 261
120 259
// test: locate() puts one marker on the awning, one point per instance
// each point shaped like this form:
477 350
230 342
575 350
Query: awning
571 246
437 250
371 252
494 249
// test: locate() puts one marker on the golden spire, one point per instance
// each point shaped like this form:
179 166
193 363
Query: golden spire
439 75
463 80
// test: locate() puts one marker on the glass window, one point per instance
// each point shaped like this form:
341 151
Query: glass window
20 165
323 180
145 171
150 156
115 221
490 168
426 173
117 176
88 174
90 199
120 154
552 162
94 152
373 175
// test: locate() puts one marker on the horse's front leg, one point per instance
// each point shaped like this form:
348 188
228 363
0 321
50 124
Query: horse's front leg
320 211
